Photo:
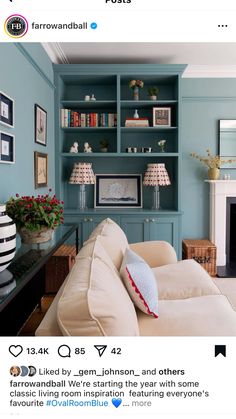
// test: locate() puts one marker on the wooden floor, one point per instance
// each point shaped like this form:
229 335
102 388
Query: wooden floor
36 317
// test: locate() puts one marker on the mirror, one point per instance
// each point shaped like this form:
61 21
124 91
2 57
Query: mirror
227 141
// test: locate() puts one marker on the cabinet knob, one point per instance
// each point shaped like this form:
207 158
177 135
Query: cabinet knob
90 219
153 220
85 220
147 220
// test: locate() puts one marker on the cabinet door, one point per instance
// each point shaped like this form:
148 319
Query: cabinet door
90 222
135 228
163 228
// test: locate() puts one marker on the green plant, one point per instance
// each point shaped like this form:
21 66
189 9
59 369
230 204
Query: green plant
34 213
211 161
104 143
153 91
161 144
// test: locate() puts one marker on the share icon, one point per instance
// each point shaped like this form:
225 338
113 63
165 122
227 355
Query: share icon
101 349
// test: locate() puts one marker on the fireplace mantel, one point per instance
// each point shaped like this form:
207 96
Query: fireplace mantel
219 191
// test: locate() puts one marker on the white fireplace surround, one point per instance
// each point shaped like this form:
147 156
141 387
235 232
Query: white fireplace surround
219 191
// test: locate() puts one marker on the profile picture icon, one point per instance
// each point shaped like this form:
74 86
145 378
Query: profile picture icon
32 371
16 26
15 371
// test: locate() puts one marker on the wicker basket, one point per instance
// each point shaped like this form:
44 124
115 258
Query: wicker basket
58 267
203 251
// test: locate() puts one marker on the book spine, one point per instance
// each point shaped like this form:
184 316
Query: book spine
96 119
69 116
83 120
72 120
76 119
66 121
88 120
62 118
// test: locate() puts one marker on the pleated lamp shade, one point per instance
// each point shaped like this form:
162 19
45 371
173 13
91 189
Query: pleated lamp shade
82 174
156 175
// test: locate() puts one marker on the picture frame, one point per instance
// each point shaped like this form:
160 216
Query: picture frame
7 148
162 117
40 118
6 110
118 191
40 170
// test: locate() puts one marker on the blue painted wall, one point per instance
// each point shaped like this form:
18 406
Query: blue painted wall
205 101
26 75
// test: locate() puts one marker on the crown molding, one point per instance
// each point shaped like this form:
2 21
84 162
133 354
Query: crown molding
28 57
55 52
57 56
210 71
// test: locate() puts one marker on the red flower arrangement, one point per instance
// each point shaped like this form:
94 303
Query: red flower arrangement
33 213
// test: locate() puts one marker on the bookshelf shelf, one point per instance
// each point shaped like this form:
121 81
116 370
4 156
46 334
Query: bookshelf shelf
97 104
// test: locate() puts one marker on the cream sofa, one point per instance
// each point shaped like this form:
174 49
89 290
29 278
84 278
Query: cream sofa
93 300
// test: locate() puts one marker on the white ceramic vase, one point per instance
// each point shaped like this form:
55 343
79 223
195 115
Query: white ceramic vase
7 238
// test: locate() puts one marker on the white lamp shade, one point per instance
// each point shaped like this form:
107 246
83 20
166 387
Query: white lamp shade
82 174
156 175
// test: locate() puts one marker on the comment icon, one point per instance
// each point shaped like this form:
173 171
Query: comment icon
64 351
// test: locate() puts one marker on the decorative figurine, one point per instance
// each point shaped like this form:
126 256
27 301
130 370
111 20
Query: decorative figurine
92 97
87 148
74 147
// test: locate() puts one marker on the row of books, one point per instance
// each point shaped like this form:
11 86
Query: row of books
137 122
71 118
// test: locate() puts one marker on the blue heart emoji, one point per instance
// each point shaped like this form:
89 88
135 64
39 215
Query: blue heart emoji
116 402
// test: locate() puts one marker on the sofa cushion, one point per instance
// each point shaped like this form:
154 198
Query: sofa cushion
113 240
183 279
95 302
140 282
209 315
93 247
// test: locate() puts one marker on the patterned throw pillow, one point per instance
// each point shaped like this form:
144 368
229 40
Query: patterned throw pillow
140 283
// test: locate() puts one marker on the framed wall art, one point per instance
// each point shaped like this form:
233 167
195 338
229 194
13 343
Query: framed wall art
162 117
118 190
7 148
40 169
6 110
40 125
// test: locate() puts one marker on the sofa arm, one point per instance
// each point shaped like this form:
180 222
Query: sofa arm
155 253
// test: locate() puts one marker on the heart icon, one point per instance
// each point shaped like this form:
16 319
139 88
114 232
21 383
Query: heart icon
15 350
116 402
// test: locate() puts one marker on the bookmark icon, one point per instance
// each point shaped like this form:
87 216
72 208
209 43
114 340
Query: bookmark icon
220 350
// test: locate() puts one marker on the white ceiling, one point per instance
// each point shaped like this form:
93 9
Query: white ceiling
203 59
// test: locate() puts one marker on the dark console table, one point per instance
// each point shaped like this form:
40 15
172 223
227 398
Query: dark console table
22 284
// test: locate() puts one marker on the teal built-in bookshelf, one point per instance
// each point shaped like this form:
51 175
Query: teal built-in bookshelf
110 86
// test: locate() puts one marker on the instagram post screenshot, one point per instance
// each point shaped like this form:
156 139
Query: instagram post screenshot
117 209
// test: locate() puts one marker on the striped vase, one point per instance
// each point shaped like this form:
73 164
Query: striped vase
7 239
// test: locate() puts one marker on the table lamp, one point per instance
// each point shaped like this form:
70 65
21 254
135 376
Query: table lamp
156 175
82 174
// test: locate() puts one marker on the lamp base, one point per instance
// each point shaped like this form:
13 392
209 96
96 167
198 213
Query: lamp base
156 198
82 197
